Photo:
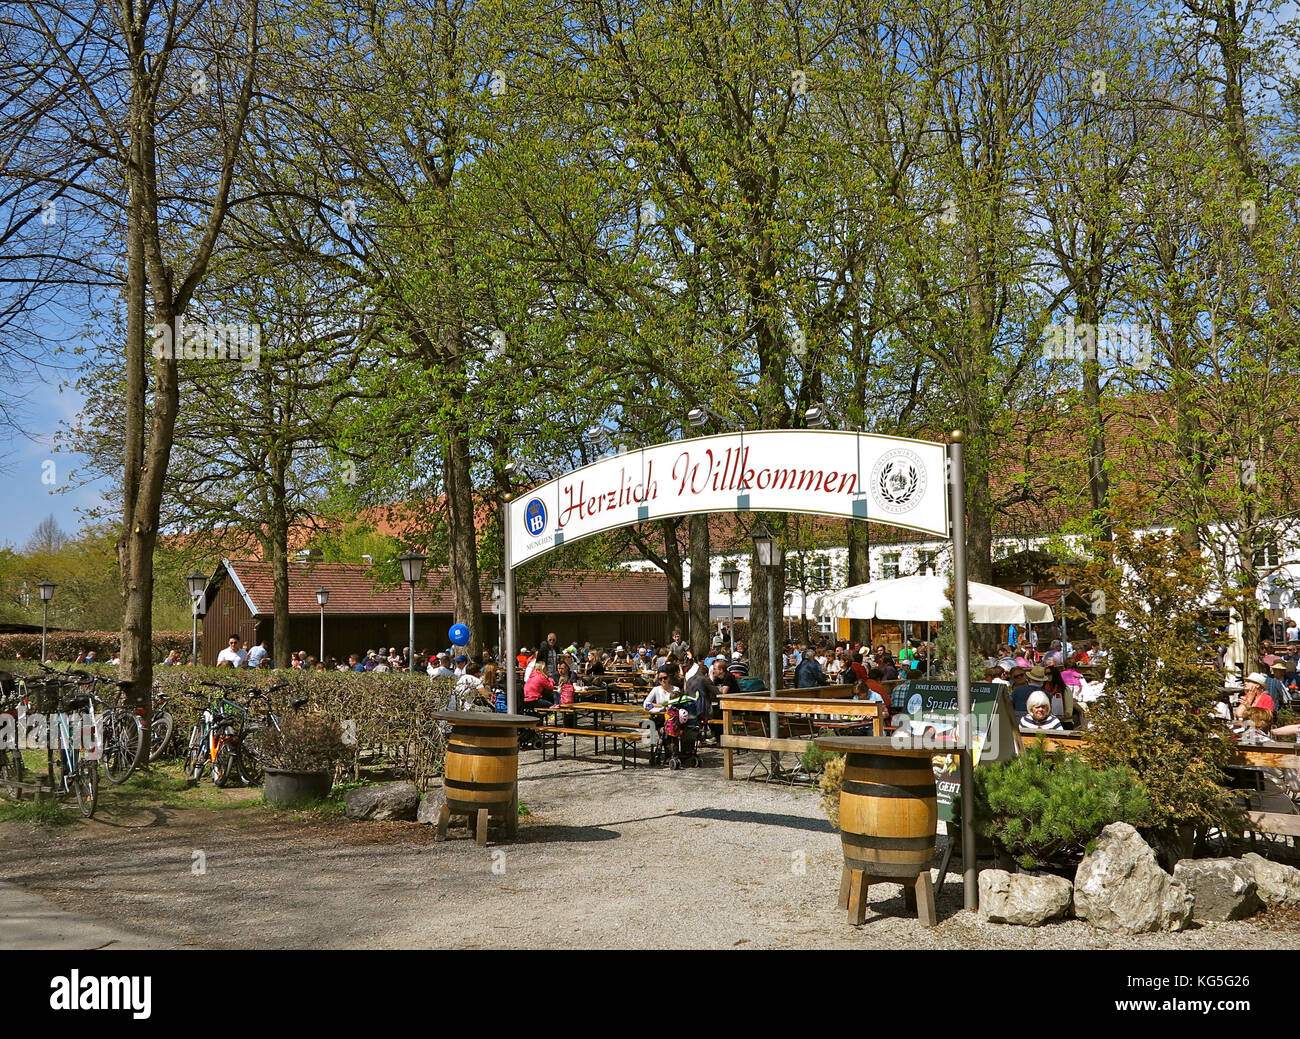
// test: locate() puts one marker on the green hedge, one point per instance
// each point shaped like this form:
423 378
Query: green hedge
390 711
64 646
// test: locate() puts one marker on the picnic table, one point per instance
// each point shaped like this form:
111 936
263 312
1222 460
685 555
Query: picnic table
596 732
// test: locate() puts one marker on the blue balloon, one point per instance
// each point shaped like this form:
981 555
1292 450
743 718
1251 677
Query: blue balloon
459 634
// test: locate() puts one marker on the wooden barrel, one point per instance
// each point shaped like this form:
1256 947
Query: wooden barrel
482 767
888 814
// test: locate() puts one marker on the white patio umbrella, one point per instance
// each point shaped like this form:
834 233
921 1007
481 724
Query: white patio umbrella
924 598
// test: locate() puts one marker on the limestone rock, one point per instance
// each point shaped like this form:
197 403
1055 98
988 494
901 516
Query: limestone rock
386 801
1276 883
1224 889
1121 887
1015 898
430 805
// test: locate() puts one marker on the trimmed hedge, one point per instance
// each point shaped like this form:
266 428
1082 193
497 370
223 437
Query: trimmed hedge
390 710
64 646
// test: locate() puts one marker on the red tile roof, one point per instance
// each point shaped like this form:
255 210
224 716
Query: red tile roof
353 592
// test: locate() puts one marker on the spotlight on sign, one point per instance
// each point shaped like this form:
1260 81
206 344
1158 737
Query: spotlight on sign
816 417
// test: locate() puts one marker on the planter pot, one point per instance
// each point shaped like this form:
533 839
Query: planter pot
294 788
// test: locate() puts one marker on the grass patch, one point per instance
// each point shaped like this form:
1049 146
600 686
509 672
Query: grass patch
523 809
47 813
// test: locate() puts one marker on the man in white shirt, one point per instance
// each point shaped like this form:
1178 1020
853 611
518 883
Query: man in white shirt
461 662
232 655
442 670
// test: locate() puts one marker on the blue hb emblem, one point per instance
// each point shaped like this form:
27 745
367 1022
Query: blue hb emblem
535 517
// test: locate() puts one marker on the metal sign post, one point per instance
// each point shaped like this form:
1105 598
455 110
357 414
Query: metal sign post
508 644
960 602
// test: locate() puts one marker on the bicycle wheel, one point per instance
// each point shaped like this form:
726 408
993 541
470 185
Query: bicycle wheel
250 764
86 786
224 767
160 734
122 741
11 773
196 754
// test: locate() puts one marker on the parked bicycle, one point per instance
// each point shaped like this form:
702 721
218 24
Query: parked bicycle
11 755
75 770
209 732
162 727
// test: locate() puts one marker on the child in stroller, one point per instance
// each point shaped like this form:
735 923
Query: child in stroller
681 736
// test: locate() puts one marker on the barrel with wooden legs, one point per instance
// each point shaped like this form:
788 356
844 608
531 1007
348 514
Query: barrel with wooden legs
481 773
888 817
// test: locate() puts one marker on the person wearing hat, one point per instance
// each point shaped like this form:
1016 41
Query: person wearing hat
1254 695
1276 684
1025 681
459 669
1039 715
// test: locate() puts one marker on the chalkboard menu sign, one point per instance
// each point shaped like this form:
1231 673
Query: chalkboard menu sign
930 707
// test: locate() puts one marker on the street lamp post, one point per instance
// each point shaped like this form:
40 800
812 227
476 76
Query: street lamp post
772 557
196 584
730 575
412 567
322 599
47 593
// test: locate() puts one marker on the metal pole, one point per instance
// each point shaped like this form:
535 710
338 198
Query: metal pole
410 646
508 646
194 647
773 665
957 513
731 619
45 616
321 658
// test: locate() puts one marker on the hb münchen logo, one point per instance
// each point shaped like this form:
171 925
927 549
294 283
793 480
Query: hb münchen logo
535 517
898 481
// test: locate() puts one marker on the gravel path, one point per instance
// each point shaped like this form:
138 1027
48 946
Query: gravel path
608 858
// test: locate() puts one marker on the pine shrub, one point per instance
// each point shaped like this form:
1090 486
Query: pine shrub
1045 809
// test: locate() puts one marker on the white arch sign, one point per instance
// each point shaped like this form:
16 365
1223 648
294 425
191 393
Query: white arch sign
825 472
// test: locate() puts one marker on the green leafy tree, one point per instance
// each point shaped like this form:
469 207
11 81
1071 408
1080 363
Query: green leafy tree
1149 597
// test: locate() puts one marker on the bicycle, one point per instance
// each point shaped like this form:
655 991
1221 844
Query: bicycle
162 727
201 751
11 757
252 759
61 698
121 730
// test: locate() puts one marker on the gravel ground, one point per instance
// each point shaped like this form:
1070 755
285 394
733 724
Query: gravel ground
608 858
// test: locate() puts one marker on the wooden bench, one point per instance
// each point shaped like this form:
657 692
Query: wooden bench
782 709
623 737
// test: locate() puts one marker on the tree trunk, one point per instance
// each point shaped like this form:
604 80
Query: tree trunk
462 541
858 534
279 544
701 639
673 571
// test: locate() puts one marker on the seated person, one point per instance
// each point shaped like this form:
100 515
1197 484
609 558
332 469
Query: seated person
1254 695
538 689
660 693
875 676
1040 712
1253 725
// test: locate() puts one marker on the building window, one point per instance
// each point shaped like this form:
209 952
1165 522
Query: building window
825 625
926 560
889 565
819 573
1266 557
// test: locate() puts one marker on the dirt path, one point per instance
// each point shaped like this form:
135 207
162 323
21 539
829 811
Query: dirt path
620 859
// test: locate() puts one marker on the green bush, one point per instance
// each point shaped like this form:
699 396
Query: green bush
814 758
1044 809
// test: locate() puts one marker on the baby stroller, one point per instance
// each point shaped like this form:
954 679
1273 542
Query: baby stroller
680 737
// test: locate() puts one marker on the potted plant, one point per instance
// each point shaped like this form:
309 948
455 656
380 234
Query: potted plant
299 758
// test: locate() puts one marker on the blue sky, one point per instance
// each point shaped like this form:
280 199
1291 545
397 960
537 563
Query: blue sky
29 461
